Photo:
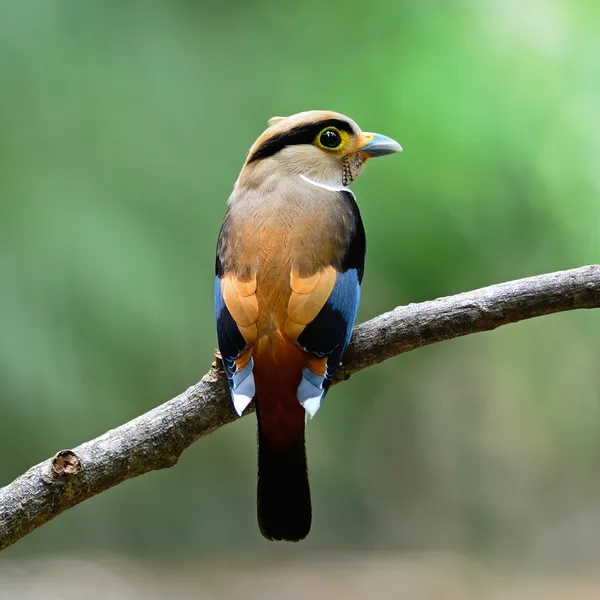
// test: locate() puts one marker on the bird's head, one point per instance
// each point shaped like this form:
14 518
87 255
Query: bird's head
326 147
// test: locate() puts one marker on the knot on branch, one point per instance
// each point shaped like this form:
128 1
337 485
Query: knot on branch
66 464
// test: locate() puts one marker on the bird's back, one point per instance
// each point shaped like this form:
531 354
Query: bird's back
295 228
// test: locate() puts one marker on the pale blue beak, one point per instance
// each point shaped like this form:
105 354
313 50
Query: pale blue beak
375 144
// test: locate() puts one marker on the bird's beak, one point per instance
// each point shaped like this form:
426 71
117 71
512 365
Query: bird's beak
375 144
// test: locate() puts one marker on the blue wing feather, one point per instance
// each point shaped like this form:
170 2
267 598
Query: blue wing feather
328 335
231 341
231 344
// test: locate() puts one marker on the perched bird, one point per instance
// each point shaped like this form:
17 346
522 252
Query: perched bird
290 259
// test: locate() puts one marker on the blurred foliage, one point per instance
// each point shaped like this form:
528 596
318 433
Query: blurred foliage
123 126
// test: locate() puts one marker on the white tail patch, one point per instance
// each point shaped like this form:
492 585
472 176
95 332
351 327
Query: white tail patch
310 392
312 405
243 388
240 402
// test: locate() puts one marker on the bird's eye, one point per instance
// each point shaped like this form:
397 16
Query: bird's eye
330 138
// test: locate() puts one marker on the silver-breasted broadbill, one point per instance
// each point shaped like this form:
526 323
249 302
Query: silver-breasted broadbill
290 261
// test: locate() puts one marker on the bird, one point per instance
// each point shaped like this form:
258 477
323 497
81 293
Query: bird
289 266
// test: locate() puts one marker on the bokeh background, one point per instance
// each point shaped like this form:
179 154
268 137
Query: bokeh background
469 469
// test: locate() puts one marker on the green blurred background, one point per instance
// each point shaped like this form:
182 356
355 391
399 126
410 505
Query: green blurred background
123 126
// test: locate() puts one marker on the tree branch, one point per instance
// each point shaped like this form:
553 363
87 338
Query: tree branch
156 439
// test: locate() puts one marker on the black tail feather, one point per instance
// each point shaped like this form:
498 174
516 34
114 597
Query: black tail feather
283 492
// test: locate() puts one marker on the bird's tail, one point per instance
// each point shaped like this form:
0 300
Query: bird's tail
283 493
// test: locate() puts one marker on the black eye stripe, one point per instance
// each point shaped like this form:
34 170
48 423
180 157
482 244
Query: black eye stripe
303 134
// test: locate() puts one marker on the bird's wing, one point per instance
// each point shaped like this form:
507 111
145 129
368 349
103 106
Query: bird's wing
326 337
308 296
236 312
322 310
